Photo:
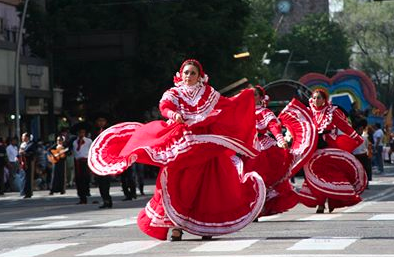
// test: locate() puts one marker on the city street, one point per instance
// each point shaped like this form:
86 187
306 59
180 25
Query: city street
55 226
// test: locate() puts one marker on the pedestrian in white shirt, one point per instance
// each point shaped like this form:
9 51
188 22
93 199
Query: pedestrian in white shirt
81 147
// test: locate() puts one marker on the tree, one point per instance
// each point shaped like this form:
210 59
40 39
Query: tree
316 39
168 32
258 36
370 27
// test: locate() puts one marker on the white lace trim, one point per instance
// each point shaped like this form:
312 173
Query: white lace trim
188 140
322 117
95 157
334 188
209 228
265 117
192 98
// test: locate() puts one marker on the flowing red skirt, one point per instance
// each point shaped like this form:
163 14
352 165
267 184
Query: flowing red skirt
201 189
277 165
195 199
335 175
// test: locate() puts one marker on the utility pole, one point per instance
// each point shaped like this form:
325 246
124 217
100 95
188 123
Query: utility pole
17 70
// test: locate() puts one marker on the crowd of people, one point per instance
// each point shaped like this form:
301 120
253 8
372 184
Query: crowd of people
56 166
224 161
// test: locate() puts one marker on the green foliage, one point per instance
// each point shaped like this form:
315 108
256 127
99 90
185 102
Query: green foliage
257 38
370 27
321 42
167 32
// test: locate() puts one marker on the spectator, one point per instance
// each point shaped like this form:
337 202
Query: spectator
13 165
3 161
27 155
81 147
128 184
361 152
378 147
104 182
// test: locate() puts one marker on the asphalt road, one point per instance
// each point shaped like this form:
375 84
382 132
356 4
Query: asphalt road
55 226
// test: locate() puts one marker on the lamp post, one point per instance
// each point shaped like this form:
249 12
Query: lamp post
17 68
283 51
290 61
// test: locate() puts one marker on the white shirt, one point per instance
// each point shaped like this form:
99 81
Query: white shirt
363 148
83 151
376 135
12 153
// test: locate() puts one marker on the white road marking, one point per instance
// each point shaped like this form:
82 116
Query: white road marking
35 250
266 218
358 207
59 217
323 243
58 224
118 223
300 255
382 217
321 216
11 224
122 248
224 246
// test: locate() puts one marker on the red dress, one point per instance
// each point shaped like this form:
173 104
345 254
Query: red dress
200 187
333 173
277 165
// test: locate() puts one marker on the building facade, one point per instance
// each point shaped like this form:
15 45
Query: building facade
292 12
35 92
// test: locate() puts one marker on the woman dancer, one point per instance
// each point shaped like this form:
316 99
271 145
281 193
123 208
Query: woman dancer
332 174
200 187
277 163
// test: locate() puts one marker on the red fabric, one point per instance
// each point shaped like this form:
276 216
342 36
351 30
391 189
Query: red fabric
200 187
284 198
333 174
223 207
277 165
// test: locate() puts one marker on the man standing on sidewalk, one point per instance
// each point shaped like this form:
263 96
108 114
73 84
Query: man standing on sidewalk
81 147
104 182
378 147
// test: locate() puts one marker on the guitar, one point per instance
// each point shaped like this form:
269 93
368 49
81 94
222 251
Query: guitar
56 154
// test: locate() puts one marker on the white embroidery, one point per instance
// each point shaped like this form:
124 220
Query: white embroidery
215 228
192 107
322 117
266 116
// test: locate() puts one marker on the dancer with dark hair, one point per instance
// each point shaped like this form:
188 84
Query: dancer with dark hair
277 161
201 187
332 174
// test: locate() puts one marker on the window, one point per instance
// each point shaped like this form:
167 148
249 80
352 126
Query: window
1 25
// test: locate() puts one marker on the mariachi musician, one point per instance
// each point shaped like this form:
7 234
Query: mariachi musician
57 156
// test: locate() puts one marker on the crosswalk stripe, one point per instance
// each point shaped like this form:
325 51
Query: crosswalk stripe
321 217
122 248
35 250
266 218
224 246
323 243
59 217
118 223
358 207
299 255
11 224
382 217
58 224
